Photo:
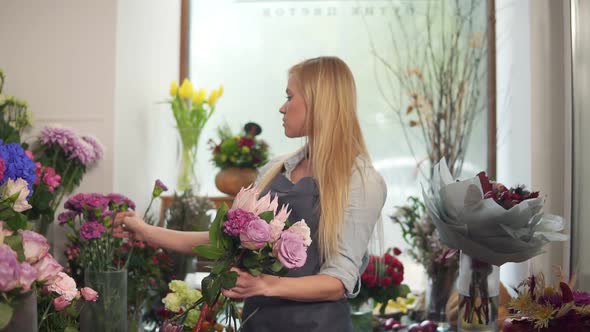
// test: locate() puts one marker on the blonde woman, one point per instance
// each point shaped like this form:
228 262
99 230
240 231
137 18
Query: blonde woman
330 183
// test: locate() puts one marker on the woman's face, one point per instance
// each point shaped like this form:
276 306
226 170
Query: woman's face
294 111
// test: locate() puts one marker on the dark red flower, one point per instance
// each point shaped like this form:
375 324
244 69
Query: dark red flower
246 141
369 280
397 251
486 185
388 258
370 268
566 292
386 281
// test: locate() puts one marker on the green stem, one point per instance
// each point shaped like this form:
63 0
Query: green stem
44 317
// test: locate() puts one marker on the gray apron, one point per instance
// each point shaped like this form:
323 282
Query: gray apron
281 315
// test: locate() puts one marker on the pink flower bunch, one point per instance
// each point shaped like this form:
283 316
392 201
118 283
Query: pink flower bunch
38 265
45 173
65 286
258 223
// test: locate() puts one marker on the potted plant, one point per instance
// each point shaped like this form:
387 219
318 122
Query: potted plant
238 157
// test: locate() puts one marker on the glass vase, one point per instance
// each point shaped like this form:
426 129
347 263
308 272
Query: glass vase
24 317
109 312
188 140
362 315
479 290
441 283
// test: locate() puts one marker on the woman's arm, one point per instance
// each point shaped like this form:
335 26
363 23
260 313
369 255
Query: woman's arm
315 288
129 224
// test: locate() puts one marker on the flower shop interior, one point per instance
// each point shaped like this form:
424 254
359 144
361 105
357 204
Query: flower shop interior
474 112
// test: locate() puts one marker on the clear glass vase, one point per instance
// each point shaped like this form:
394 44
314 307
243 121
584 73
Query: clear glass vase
479 291
362 315
109 312
188 140
440 285
24 318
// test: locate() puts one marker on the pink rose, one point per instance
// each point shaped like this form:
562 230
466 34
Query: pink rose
28 275
9 269
277 224
47 268
300 228
61 303
290 249
64 285
255 235
35 245
89 294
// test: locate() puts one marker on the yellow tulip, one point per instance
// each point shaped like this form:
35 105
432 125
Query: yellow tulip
213 97
186 89
199 97
220 90
173 88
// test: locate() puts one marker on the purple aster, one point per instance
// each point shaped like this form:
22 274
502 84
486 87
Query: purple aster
91 230
76 203
237 219
66 216
59 136
96 202
82 151
159 188
120 201
96 146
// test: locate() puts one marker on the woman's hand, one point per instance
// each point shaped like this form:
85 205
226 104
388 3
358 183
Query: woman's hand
247 285
129 224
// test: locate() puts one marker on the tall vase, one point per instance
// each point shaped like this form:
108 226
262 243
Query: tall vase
362 315
440 285
188 141
109 312
24 317
479 291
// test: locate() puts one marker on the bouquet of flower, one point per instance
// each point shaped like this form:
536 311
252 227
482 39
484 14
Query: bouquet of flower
25 262
14 116
548 308
254 235
382 281
491 225
62 303
60 152
243 151
191 109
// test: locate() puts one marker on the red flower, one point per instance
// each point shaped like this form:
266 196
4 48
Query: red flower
217 149
369 280
386 281
388 258
486 185
2 168
246 141
370 268
396 271
397 251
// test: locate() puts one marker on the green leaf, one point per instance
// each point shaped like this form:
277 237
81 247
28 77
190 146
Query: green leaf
208 252
215 229
276 267
255 272
6 312
228 279
250 261
16 243
266 216
18 221
71 329
220 267
210 288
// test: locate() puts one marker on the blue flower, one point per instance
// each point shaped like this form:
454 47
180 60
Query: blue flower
18 165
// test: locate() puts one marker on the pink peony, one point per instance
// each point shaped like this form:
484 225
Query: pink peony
290 250
28 275
91 230
61 303
237 219
35 245
9 269
64 285
255 235
277 224
300 228
89 294
47 268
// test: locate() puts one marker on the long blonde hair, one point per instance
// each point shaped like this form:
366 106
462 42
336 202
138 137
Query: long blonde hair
334 140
